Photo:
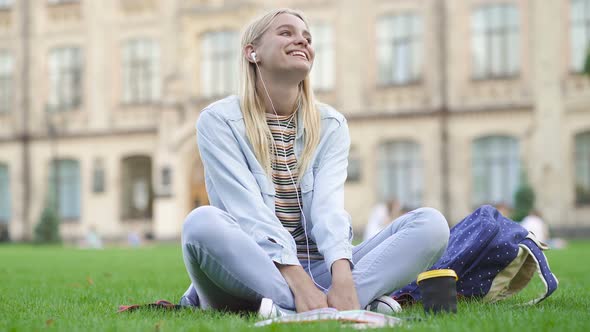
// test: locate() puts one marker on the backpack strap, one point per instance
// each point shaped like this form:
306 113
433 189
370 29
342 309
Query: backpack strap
543 270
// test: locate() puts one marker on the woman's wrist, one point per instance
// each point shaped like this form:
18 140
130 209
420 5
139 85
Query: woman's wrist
295 276
341 272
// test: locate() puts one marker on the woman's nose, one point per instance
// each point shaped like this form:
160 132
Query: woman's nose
302 40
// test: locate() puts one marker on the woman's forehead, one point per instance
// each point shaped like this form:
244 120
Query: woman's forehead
286 19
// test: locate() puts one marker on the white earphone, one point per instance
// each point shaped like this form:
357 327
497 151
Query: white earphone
253 56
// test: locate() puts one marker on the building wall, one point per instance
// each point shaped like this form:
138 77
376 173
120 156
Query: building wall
544 106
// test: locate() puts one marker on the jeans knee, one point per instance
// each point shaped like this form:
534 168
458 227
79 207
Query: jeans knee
200 224
435 228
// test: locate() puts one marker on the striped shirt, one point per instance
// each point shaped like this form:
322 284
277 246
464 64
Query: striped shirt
288 196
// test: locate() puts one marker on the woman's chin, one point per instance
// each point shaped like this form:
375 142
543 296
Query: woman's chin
298 72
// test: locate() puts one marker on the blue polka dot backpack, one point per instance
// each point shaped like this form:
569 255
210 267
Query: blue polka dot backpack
494 258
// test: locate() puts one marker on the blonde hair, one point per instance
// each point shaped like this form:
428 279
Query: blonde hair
252 107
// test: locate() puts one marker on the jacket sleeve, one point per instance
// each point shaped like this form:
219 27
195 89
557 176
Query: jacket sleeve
331 223
227 169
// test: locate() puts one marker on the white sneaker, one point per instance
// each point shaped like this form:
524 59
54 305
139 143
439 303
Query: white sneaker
270 310
384 305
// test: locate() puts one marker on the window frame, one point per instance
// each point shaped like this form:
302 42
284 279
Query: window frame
66 78
58 186
584 25
98 176
129 212
142 82
581 159
219 63
7 70
6 4
500 154
401 160
354 172
5 193
323 73
507 34
410 43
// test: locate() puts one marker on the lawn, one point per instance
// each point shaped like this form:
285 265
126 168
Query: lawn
66 289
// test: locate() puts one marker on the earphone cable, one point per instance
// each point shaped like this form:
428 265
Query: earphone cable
304 222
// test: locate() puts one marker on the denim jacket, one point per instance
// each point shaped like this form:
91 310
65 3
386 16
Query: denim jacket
238 184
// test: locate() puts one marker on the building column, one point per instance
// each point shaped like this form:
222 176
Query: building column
546 163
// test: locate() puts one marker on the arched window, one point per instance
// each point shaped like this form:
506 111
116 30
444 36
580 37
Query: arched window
137 193
495 169
582 152
400 173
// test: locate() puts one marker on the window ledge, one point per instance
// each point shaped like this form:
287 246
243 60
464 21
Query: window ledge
136 219
62 3
150 104
408 84
495 78
323 90
70 220
57 109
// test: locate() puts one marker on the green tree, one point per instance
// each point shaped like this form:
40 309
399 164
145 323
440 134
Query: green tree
47 230
524 200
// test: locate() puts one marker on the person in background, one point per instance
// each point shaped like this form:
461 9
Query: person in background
535 224
381 216
93 240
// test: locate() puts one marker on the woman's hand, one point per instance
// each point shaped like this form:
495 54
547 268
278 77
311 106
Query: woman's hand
310 298
342 295
307 295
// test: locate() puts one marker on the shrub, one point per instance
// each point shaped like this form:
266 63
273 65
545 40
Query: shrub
524 200
47 230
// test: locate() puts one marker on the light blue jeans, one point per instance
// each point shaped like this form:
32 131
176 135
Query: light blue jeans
229 271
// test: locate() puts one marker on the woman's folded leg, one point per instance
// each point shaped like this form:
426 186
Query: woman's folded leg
227 267
396 255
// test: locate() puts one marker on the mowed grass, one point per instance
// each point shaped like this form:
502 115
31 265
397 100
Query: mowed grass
67 289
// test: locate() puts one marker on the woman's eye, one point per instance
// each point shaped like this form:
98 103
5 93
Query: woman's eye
285 33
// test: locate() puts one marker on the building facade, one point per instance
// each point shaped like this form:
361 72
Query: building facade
449 103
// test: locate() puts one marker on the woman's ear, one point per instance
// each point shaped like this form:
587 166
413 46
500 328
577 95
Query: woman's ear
248 50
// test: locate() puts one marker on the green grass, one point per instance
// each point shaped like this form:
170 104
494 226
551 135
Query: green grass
65 289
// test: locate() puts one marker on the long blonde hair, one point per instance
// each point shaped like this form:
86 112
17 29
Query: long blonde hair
252 107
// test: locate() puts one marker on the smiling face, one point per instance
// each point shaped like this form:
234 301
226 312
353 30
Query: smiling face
285 48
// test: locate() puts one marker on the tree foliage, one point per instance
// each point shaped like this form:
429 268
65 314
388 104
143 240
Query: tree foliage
524 200
47 230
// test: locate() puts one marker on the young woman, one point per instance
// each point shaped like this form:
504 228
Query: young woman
275 165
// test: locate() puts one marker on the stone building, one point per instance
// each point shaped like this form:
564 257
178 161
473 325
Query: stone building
448 103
